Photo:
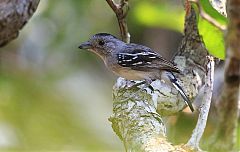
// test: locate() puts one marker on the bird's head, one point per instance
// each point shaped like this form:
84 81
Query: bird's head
102 44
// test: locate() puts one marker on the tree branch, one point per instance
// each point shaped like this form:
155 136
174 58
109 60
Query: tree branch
204 108
227 106
137 122
121 16
13 16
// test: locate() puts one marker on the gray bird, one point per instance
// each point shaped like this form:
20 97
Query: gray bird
133 61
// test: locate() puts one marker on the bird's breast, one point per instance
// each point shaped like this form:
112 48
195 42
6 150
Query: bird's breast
130 74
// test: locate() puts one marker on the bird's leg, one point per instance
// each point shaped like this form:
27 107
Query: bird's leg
147 83
151 88
137 84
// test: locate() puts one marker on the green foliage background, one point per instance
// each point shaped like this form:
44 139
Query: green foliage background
212 36
55 97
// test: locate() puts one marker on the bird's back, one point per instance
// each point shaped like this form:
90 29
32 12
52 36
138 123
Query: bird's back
143 58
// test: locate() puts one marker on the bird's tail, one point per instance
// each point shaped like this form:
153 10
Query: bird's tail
176 84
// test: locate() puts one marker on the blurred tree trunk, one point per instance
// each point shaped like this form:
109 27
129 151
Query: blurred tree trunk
226 134
14 14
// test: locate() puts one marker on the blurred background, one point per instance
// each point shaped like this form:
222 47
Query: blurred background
56 97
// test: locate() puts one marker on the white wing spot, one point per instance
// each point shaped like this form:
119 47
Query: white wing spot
127 60
128 54
135 57
152 57
142 53
152 53
137 63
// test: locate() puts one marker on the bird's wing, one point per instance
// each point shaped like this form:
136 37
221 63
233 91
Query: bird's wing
144 60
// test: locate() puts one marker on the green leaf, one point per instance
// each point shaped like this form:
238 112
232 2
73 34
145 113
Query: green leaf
212 36
159 14
213 12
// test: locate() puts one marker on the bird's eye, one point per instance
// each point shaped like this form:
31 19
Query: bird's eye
101 42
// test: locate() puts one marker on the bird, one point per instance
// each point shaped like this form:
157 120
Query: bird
134 61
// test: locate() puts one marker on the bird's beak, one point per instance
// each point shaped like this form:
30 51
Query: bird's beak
85 45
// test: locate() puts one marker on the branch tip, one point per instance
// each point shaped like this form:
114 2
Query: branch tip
121 15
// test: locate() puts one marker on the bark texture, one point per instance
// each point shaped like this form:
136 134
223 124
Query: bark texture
14 14
194 141
225 137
